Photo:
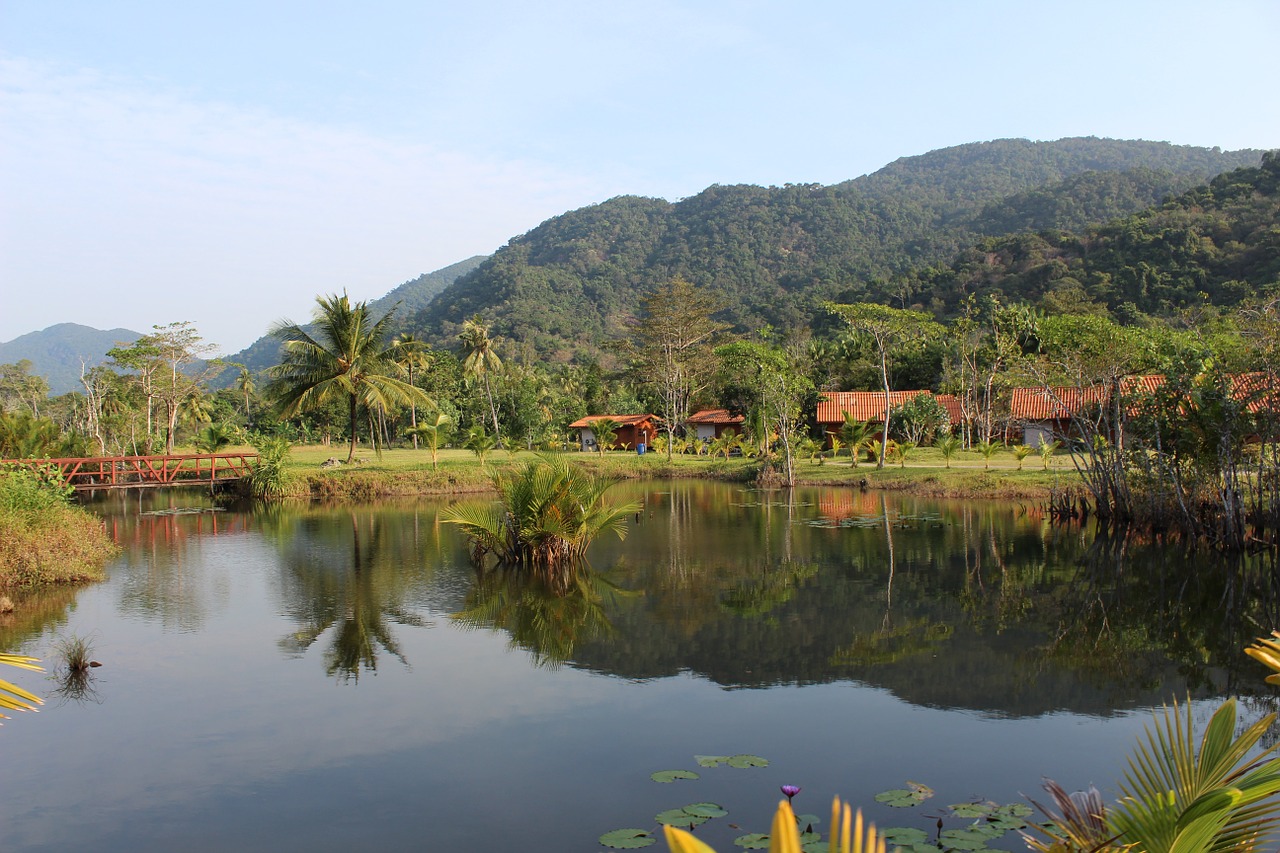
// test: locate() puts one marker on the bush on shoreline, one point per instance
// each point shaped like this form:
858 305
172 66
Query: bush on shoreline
43 538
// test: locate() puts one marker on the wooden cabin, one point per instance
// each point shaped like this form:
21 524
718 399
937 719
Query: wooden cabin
634 430
709 424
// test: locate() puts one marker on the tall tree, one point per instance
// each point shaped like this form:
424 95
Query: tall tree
889 329
347 358
412 354
782 386
245 382
677 336
480 361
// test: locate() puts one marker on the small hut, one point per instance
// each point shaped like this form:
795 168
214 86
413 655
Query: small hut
633 430
709 424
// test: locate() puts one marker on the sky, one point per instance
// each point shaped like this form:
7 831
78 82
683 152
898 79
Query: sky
225 163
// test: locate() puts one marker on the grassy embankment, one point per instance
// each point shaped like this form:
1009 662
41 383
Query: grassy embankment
43 538
409 472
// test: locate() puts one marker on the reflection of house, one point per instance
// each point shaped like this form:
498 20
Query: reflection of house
869 406
710 424
1046 413
633 430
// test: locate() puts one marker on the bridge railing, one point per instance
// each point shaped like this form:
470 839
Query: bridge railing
99 472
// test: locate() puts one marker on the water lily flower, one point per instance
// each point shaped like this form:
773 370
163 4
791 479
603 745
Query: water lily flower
790 791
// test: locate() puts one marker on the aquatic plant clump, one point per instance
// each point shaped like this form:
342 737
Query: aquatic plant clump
549 512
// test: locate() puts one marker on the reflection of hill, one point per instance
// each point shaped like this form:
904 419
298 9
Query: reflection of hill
983 607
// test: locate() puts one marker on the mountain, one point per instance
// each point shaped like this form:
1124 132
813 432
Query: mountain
412 297
773 254
56 353
1217 244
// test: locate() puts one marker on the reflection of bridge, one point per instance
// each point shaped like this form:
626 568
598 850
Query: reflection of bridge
133 472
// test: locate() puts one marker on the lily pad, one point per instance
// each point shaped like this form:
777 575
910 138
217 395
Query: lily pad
711 760
970 809
963 839
672 775
743 761
898 798
753 841
706 810
904 835
1014 810
679 817
627 839
808 820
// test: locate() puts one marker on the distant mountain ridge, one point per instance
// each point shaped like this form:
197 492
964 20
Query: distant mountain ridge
56 352
774 254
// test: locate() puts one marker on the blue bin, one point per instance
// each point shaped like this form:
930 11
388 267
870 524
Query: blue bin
640 449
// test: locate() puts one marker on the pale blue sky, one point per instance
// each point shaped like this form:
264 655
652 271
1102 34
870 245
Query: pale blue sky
225 162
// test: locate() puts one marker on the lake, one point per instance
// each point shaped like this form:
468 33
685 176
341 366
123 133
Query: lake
304 677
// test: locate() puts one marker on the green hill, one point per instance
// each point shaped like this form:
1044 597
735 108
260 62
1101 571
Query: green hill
774 253
1216 244
56 352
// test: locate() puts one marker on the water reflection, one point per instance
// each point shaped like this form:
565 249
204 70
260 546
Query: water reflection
548 621
346 575
975 605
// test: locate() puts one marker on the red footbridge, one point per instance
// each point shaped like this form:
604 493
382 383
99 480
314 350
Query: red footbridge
134 472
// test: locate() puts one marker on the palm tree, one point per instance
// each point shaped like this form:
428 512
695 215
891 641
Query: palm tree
411 354
247 386
606 432
550 511
481 360
857 435
345 358
948 445
433 432
479 442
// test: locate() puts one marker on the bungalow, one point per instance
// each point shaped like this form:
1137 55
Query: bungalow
633 430
869 406
709 424
1046 413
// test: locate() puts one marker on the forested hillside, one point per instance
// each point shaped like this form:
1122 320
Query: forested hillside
774 254
1217 244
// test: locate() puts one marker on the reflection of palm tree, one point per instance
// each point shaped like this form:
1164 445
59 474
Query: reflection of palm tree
347 358
547 621
355 607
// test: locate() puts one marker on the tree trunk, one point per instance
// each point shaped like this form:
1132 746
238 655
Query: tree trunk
351 454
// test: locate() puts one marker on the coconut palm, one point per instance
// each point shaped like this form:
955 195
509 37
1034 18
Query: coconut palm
434 432
346 358
948 445
412 354
481 360
606 432
1021 452
479 442
1047 449
247 386
858 435
988 449
213 438
549 513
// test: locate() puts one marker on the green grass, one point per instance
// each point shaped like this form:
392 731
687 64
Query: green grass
404 472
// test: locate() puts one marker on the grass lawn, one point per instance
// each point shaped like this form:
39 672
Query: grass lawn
405 471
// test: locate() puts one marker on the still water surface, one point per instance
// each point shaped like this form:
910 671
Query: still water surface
337 678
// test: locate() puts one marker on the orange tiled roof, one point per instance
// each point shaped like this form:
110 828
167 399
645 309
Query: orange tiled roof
1061 402
955 409
715 416
623 420
861 405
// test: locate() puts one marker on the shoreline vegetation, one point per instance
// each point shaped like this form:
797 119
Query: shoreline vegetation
46 539
408 473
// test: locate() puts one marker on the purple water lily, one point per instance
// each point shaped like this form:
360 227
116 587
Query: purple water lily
790 791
